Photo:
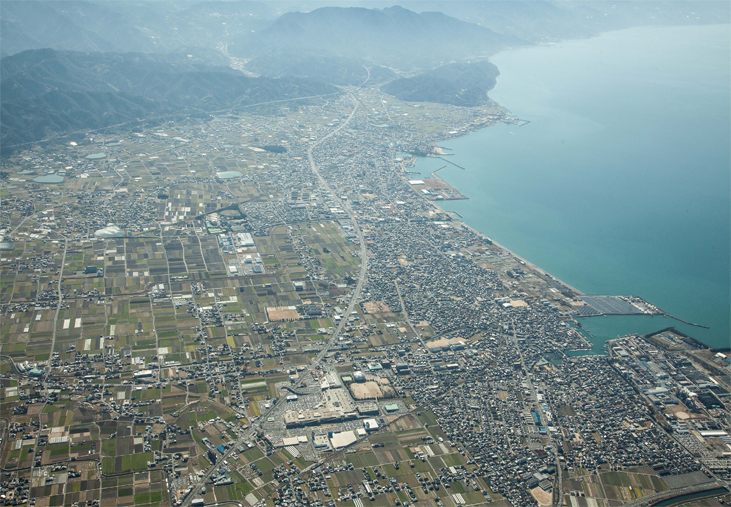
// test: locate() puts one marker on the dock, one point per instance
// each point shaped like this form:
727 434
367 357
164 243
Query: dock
596 306
455 165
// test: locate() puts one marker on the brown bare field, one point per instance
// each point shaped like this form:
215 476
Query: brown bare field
376 307
279 313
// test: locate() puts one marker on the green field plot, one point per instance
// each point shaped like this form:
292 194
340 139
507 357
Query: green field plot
126 463
252 454
362 459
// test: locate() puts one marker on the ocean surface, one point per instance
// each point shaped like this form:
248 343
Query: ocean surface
621 182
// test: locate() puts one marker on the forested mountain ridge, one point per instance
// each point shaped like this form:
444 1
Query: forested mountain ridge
393 36
47 92
459 84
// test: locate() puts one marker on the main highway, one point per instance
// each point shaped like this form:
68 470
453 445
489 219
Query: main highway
195 492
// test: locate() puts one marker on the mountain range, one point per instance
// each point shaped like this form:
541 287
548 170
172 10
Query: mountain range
47 92
77 65
392 36
127 26
164 26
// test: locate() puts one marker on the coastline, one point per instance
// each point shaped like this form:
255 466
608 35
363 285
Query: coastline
434 143
656 264
439 151
514 120
516 256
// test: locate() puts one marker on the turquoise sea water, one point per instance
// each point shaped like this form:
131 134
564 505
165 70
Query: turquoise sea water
620 183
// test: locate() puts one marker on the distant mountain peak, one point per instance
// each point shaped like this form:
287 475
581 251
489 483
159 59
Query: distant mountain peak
392 36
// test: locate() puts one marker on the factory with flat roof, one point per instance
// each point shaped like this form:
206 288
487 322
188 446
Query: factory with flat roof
294 418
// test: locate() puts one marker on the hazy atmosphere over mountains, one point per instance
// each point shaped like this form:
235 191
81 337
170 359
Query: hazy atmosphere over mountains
116 62
59 91
393 36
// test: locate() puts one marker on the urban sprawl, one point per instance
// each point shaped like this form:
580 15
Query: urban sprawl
270 308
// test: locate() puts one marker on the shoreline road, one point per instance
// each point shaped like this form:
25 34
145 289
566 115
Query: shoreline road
353 301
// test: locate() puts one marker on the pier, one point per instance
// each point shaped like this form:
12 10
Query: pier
448 192
596 306
685 321
455 165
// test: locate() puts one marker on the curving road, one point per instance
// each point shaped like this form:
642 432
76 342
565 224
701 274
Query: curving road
195 492
356 229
